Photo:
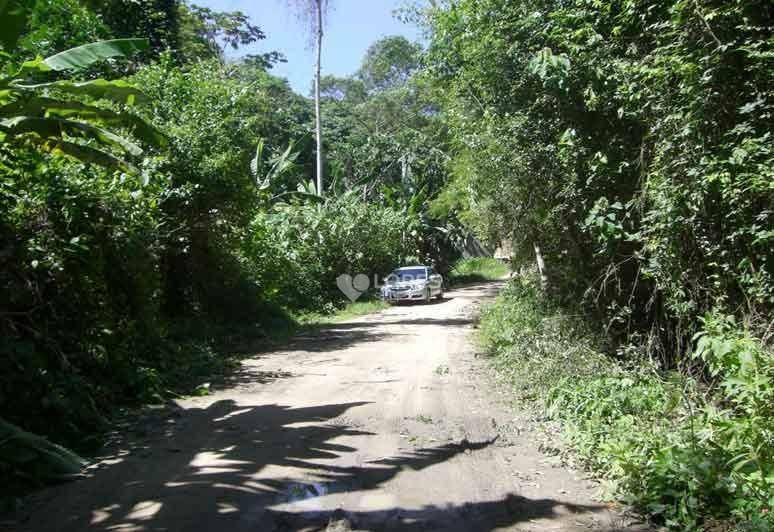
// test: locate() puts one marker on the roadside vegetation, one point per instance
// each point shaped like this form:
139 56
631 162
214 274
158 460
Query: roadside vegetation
477 269
158 212
688 452
361 307
625 150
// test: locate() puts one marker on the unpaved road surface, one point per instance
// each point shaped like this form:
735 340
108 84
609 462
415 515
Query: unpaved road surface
385 422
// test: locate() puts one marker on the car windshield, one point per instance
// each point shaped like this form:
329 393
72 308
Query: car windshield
409 274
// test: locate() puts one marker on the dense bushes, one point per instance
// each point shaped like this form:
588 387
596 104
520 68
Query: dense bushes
509 330
630 141
102 271
86 317
80 293
627 147
117 287
299 250
215 116
143 233
685 453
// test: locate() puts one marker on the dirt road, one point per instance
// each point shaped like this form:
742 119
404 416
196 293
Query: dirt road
385 422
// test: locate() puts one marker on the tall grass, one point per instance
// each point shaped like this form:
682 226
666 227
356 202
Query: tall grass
349 311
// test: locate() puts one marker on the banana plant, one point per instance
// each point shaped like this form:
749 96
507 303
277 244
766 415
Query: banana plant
268 173
278 165
52 114
34 457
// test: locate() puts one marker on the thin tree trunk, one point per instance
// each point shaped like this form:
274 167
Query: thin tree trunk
541 266
317 100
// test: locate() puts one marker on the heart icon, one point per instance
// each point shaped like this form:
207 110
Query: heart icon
352 288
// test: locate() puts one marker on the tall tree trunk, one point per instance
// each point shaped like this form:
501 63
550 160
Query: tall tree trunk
317 99
541 266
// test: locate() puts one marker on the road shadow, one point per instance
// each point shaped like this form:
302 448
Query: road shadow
220 468
448 322
324 339
249 375
335 337
479 289
478 516
421 302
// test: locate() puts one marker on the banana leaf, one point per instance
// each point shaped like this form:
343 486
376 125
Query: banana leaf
27 454
54 108
47 128
81 57
89 155
118 91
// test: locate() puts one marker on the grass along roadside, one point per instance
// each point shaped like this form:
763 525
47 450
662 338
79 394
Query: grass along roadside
692 455
477 269
350 310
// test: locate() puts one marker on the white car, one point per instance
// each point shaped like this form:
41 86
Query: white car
412 283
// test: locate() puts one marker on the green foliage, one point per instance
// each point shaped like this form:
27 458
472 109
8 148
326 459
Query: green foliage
56 25
68 318
478 269
382 124
27 455
299 249
129 272
534 342
384 136
117 288
360 307
389 63
156 20
267 173
187 31
14 15
205 33
630 140
683 453
679 455
87 54
31 112
215 116
69 305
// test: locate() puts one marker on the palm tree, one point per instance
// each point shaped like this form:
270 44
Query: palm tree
312 12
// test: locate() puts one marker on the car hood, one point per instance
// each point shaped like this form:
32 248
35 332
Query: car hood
406 284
